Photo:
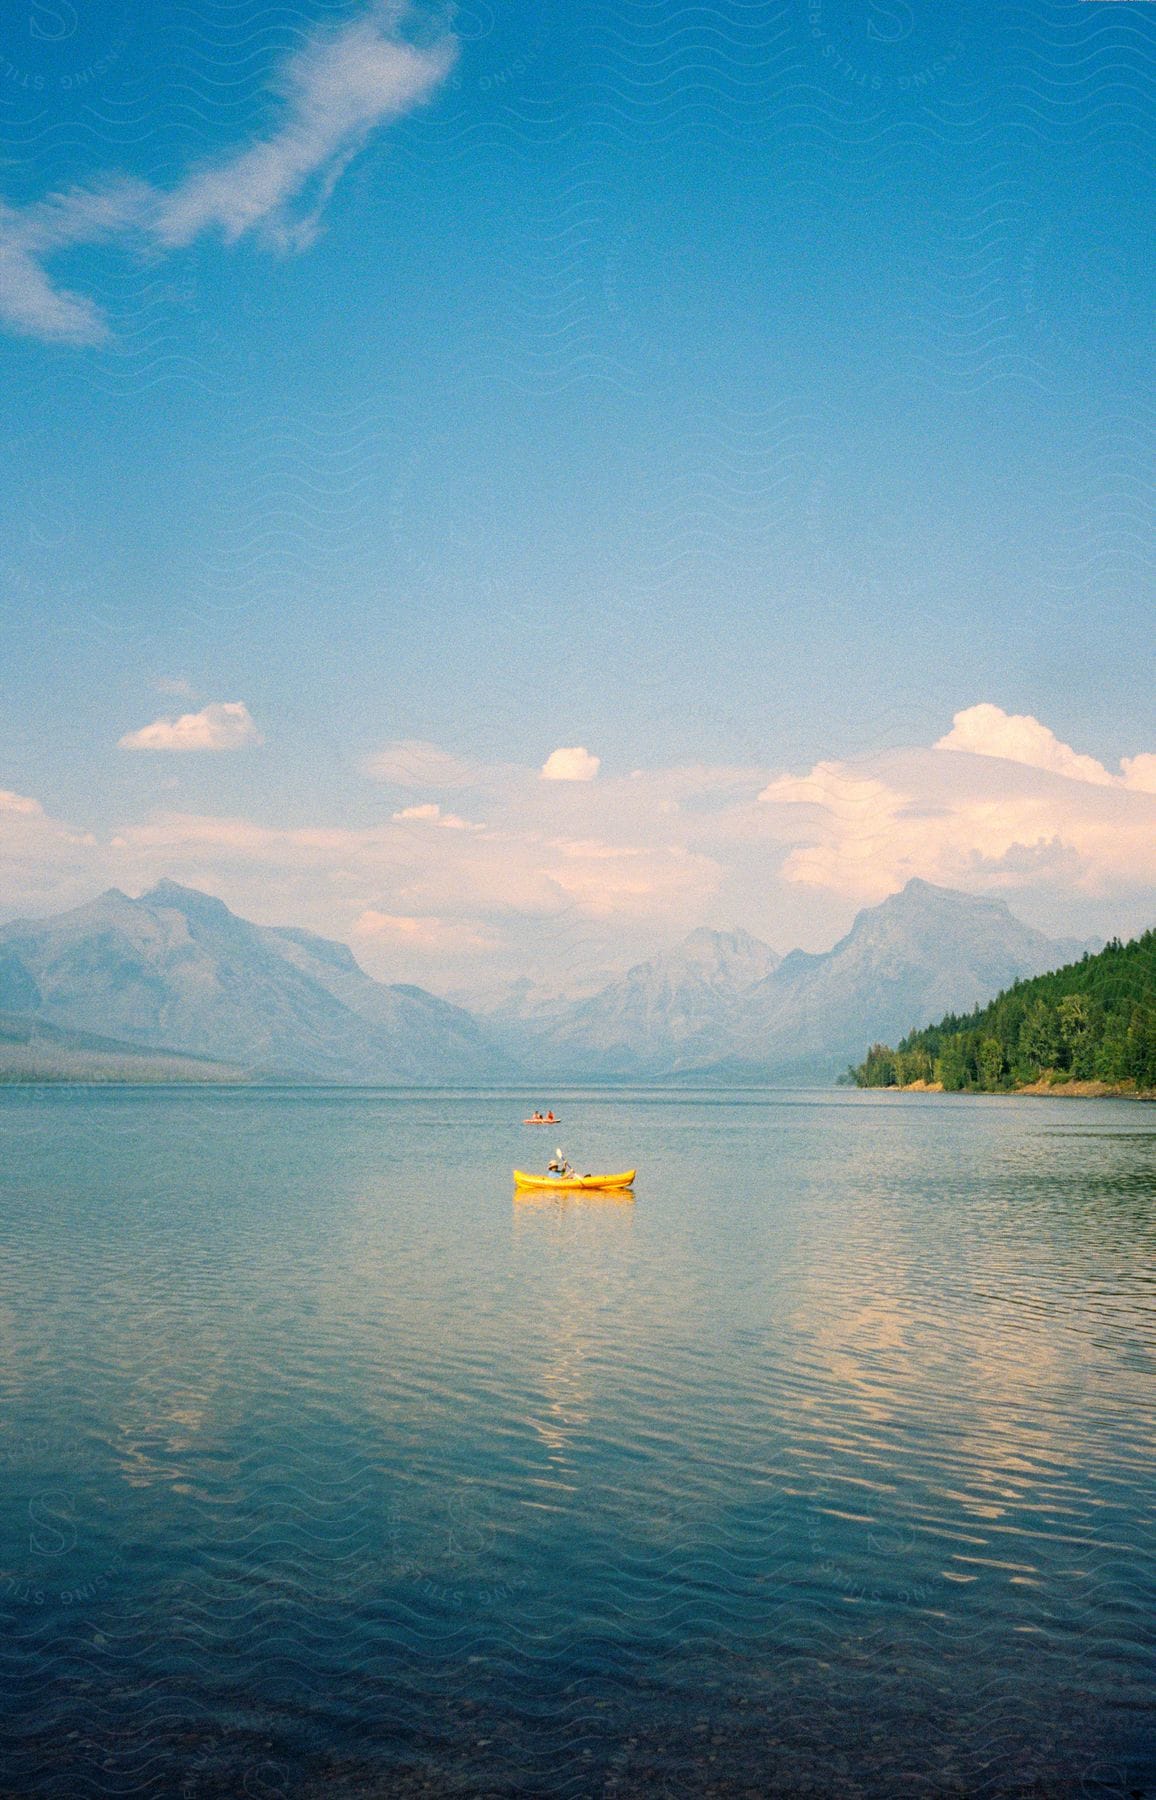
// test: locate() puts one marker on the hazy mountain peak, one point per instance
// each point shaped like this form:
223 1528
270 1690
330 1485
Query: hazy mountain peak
920 894
917 955
648 1019
727 961
734 943
327 950
176 968
194 903
942 921
725 1000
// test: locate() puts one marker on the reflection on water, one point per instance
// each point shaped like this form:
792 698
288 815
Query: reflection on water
574 1201
823 1462
582 1251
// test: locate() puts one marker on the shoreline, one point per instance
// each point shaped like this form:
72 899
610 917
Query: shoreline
1059 1090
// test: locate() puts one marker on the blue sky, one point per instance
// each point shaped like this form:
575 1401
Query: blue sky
742 388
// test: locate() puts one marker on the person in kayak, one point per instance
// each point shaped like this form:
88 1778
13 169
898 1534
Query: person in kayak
559 1166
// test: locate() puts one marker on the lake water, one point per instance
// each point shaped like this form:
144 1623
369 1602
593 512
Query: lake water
327 1466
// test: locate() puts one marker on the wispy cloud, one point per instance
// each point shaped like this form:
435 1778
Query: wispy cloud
20 805
335 92
29 300
223 725
42 858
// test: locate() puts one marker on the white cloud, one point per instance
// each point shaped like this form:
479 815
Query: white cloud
987 730
29 301
988 819
20 805
223 725
335 91
1140 772
399 924
42 859
573 764
31 305
431 814
642 859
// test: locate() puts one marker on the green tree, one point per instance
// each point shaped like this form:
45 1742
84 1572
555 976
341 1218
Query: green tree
1111 1056
951 1068
990 1063
1074 1016
1097 1017
1040 1038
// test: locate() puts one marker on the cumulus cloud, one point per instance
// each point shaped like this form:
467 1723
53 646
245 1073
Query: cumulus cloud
1140 772
340 87
573 764
987 730
223 725
1024 811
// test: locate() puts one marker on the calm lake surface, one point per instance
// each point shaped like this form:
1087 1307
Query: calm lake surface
827 1466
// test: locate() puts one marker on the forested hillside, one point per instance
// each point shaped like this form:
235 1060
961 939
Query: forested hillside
1094 1020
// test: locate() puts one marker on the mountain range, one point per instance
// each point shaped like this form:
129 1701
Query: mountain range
655 1016
723 1004
176 972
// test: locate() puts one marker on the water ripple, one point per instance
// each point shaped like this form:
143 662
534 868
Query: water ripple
825 1466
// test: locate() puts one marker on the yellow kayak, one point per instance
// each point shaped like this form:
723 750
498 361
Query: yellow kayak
574 1184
